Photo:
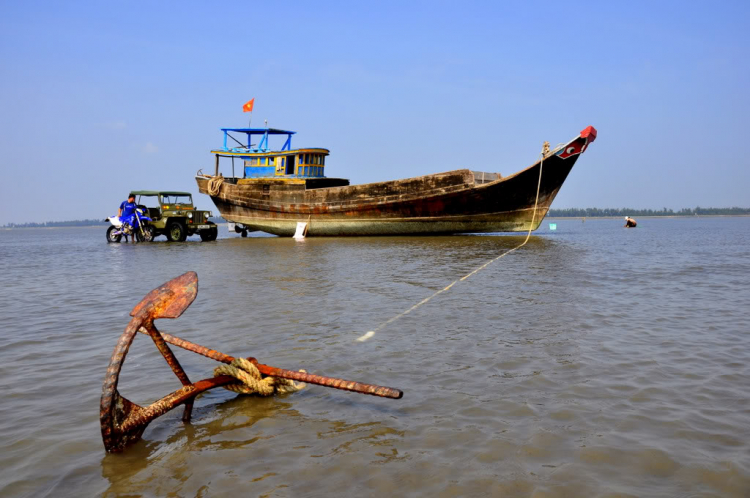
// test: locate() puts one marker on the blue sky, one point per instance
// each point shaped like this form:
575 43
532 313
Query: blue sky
98 98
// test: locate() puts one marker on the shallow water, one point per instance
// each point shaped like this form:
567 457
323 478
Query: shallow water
594 361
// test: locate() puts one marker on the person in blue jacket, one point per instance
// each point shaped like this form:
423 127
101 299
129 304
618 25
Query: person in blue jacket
127 212
127 208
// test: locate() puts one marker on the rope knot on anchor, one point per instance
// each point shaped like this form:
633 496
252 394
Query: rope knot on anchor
252 382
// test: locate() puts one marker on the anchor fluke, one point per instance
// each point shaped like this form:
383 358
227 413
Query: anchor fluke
171 299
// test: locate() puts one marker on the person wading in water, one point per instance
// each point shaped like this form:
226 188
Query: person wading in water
127 212
630 222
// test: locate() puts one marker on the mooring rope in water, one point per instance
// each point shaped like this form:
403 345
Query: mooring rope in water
372 332
252 382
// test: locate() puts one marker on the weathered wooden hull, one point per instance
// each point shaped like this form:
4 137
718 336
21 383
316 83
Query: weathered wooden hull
443 203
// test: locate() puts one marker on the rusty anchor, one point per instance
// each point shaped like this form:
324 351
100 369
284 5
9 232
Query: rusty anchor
123 422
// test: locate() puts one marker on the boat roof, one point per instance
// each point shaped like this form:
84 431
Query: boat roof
262 146
158 192
270 131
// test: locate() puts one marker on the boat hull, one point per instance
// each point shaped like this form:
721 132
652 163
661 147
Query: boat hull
443 203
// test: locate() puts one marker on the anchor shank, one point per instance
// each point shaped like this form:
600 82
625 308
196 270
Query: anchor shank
195 348
346 385
166 352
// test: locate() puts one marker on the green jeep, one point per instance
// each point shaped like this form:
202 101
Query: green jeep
173 215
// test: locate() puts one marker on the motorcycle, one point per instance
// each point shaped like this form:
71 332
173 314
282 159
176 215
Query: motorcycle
135 226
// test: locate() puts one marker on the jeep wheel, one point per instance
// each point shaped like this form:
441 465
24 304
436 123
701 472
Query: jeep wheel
210 234
176 232
111 236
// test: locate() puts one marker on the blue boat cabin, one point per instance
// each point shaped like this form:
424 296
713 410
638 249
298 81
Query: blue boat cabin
259 161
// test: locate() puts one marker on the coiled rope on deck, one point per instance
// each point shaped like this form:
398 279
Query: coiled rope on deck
214 184
544 154
252 382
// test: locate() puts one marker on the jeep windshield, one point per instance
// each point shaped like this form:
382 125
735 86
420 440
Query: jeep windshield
177 199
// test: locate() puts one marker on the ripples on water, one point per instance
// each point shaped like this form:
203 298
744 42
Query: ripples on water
595 361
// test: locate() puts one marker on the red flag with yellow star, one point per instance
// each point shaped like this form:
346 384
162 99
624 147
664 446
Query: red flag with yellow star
248 107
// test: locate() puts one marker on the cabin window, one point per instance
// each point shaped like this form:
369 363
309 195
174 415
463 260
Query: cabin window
322 160
289 169
271 161
253 161
317 159
263 161
301 158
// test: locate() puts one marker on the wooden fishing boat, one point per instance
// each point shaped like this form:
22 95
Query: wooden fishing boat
279 188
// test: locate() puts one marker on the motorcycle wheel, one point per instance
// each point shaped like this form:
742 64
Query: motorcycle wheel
148 235
111 236
176 232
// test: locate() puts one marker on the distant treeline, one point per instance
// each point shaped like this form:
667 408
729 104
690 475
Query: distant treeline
73 223
49 224
596 212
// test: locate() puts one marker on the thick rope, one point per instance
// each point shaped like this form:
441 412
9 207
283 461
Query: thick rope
214 184
252 382
545 153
